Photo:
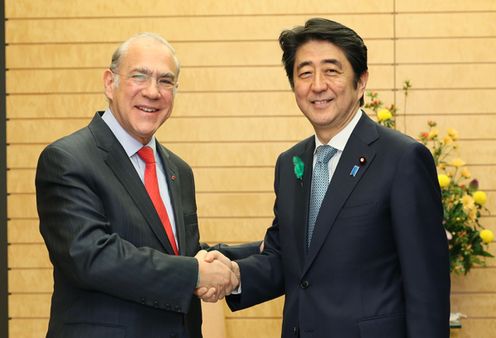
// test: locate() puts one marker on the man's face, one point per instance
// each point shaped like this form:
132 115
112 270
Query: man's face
324 87
138 102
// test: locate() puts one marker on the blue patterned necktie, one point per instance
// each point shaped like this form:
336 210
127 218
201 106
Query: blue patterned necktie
320 182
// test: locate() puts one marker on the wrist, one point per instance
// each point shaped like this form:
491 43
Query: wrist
235 270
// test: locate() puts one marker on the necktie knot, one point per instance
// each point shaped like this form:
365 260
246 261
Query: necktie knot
325 153
146 154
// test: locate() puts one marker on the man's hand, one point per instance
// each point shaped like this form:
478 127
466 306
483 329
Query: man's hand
237 273
216 276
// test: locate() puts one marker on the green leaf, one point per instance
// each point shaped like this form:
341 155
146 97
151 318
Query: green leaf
299 167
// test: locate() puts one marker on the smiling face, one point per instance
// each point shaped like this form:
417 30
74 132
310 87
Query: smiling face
324 87
142 107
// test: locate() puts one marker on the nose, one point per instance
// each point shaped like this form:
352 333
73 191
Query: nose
318 83
151 90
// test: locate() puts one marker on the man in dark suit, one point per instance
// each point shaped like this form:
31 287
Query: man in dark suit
357 244
118 213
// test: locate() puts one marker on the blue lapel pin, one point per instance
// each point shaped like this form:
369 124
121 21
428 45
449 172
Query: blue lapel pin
354 170
362 160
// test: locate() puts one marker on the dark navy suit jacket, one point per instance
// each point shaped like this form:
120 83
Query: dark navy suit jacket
377 266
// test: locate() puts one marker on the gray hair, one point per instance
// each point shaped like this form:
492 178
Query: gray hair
122 50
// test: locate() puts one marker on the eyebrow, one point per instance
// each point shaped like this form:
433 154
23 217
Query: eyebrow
325 61
334 62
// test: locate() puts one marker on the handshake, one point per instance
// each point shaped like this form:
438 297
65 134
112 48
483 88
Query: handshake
218 276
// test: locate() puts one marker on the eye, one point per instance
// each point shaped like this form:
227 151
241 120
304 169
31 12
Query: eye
331 71
304 75
166 82
139 77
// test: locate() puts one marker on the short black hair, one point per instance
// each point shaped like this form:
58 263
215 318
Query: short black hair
320 29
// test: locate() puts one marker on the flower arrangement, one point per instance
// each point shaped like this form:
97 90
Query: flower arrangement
463 202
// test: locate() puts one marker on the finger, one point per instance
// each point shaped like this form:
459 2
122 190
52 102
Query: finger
221 294
201 254
216 255
200 292
212 299
210 257
209 295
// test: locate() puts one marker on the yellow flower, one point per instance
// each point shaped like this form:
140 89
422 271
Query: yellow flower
486 235
453 133
480 197
444 180
472 214
433 133
447 140
384 115
466 173
457 162
468 202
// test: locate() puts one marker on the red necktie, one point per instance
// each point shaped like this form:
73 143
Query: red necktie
151 185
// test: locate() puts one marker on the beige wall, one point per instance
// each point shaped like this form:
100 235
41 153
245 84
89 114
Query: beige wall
234 112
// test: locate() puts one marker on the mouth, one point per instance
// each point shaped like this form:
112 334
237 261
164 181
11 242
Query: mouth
147 109
321 102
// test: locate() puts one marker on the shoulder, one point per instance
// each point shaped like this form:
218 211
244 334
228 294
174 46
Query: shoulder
83 146
71 145
66 158
407 153
391 146
372 133
396 141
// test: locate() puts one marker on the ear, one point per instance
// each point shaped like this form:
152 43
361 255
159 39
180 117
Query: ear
108 83
362 83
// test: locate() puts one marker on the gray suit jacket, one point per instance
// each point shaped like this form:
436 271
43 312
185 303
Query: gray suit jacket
114 270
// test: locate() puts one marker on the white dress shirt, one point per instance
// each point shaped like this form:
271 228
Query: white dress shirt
338 142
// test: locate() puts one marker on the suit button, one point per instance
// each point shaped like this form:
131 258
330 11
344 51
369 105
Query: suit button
305 284
168 307
155 303
142 300
177 308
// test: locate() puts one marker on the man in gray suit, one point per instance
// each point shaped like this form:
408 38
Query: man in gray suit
118 213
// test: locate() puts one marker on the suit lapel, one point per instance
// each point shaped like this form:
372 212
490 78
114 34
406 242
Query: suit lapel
343 183
302 198
123 169
174 184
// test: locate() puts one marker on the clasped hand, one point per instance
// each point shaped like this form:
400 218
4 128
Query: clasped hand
218 276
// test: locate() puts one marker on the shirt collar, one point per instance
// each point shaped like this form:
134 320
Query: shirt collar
340 139
129 143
